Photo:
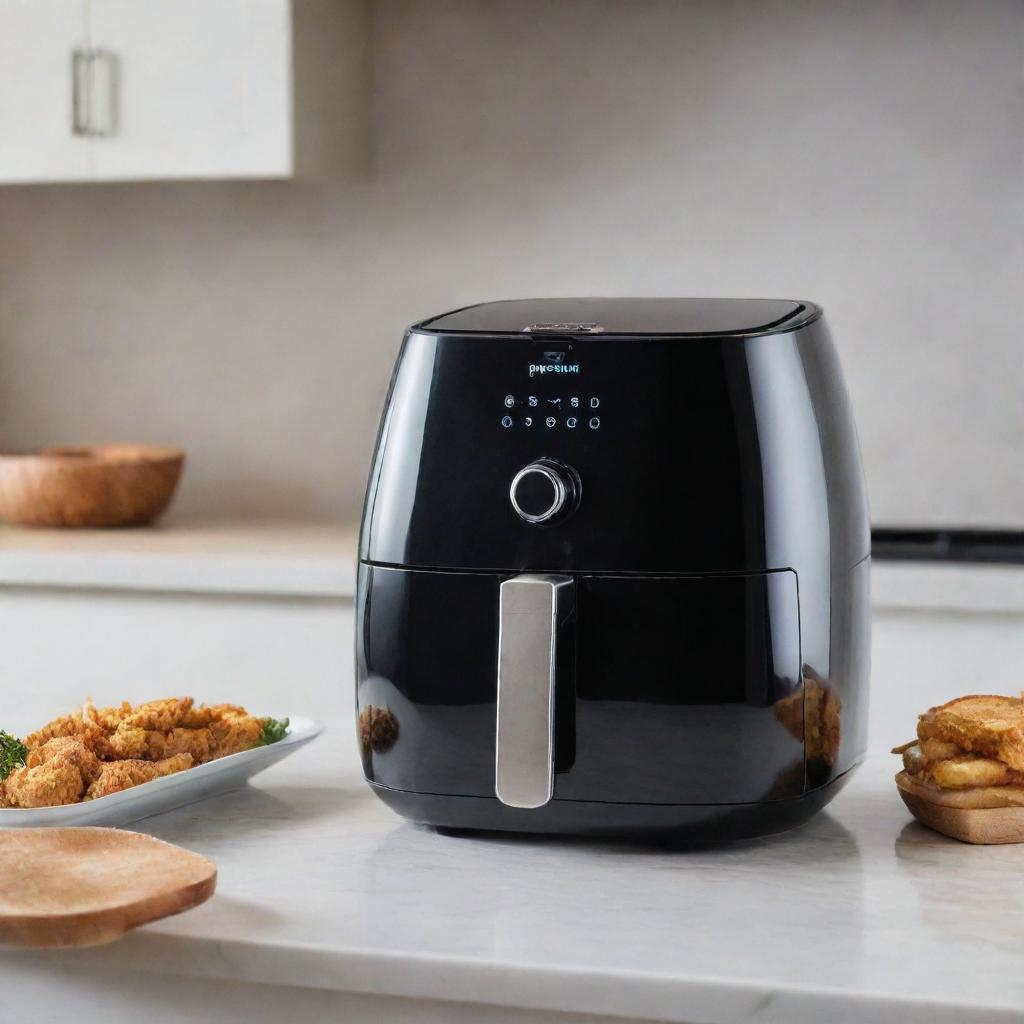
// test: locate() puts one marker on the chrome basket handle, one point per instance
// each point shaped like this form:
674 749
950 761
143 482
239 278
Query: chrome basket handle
530 611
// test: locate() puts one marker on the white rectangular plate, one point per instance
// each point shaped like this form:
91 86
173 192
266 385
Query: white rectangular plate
205 780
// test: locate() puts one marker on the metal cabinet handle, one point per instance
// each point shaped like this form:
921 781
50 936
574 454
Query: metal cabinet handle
531 609
79 92
94 76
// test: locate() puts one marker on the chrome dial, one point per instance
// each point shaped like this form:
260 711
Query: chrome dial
543 492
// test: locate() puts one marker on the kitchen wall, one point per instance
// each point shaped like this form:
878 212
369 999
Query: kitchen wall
868 155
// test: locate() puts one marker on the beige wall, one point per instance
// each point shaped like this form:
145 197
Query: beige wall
867 155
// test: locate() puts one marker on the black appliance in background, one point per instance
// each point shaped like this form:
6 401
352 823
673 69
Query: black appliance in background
949 544
614 569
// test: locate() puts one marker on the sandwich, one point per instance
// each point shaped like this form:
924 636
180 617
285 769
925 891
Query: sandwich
969 754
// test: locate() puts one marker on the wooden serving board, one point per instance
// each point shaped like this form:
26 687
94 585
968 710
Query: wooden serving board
982 825
65 887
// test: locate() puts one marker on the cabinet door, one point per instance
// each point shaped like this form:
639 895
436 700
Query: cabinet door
37 40
203 88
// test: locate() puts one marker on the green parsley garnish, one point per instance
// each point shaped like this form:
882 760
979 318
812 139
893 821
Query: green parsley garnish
12 754
274 729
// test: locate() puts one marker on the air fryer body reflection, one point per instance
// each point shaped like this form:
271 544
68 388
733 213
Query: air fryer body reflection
614 570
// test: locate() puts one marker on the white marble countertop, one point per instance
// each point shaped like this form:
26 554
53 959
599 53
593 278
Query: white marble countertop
860 915
221 557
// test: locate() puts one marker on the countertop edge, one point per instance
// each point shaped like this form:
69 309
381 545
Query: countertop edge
627 994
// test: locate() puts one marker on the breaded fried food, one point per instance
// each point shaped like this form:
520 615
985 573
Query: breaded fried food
45 785
172 713
98 751
131 742
63 750
940 750
67 725
228 729
984 724
971 772
948 767
119 775
56 772
973 747
234 732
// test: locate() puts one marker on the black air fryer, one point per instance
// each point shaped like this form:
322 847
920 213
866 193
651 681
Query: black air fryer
614 570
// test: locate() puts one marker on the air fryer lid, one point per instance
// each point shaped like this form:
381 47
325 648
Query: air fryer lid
642 317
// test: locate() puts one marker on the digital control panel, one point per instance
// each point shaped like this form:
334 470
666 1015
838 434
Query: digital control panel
551 412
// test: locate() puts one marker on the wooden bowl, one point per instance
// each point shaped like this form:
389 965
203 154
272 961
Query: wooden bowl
981 825
106 485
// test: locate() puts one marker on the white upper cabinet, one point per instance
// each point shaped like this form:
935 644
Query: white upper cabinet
128 90
202 88
38 39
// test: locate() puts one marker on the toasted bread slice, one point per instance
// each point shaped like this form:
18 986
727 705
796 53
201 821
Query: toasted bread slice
981 724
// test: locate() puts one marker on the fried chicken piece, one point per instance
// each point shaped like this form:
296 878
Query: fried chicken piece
132 743
118 775
940 750
172 713
45 785
64 750
196 742
968 772
107 719
234 734
56 772
66 725
226 735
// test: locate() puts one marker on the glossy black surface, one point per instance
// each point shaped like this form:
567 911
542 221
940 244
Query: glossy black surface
674 689
670 823
707 455
952 544
719 550
633 317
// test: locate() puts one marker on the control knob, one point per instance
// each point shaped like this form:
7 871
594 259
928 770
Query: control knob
545 491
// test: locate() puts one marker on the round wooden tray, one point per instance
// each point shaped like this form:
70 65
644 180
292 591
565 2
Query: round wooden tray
981 825
63 887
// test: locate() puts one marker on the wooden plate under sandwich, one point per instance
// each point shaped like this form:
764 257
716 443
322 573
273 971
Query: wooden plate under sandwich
955 812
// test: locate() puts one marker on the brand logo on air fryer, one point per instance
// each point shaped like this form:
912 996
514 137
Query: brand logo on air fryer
554 362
